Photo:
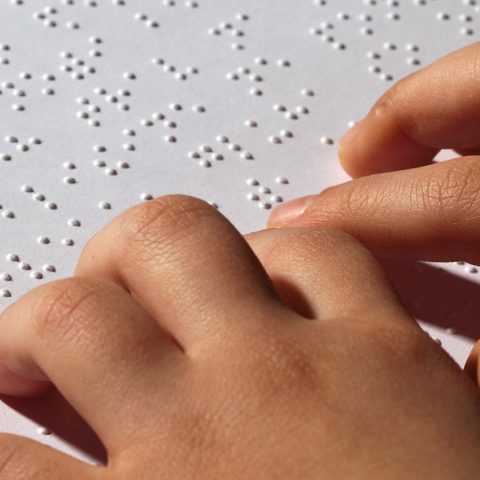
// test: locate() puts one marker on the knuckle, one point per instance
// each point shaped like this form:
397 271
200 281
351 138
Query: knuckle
161 220
309 244
64 309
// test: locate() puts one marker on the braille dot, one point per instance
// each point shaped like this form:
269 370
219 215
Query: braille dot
307 93
146 123
36 275
12 257
26 188
276 140
128 146
5 293
253 197
205 163
122 164
99 148
327 140
251 123
43 240
218 157
38 197
23 147
170 138
73 222
283 63
222 139
51 206
8 214
286 133
247 156
281 180
104 205
68 242
6 277
34 141
146 197
194 155
49 268
265 205
471 269
264 190
443 16
110 171
70 180
252 182
199 109
128 132
276 199
24 266
99 163
5 157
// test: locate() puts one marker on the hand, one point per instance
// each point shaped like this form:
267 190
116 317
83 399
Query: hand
174 345
425 211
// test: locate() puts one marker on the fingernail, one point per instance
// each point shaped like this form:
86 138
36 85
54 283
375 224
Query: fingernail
285 214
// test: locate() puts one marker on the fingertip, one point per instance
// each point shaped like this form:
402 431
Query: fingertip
284 214
14 385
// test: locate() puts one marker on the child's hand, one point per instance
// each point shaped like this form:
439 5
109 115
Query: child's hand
174 346
431 212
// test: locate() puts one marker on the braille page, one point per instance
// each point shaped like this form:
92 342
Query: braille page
107 103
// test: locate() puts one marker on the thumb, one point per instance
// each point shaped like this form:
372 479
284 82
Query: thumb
429 213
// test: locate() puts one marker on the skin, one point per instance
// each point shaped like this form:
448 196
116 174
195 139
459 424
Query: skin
400 203
196 354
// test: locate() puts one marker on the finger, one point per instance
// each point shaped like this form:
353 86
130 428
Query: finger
472 365
437 107
429 213
322 273
186 264
25 459
97 345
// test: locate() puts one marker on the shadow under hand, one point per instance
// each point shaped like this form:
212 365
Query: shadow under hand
52 411
436 296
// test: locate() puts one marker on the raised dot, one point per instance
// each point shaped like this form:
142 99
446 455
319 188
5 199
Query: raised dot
282 180
43 240
49 268
8 214
73 222
6 277
5 293
104 205
68 242
36 275
253 197
24 266
252 182
12 257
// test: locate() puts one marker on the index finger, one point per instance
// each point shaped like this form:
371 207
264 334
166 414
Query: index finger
435 108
